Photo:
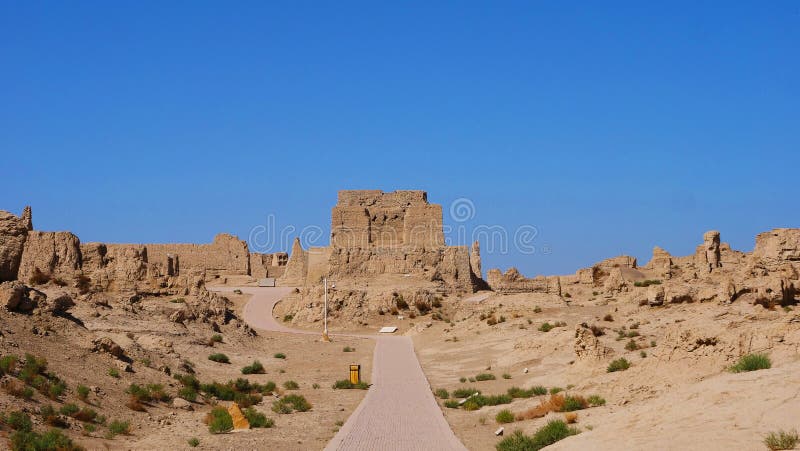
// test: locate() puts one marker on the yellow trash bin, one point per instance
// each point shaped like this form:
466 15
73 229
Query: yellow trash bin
355 374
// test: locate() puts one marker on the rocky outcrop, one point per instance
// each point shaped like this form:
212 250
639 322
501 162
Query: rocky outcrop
12 295
513 282
777 247
51 253
13 233
588 346
296 268
107 345
707 256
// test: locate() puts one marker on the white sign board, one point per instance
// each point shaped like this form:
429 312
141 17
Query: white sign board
388 330
268 282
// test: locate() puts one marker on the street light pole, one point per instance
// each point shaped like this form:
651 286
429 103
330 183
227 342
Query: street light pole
325 312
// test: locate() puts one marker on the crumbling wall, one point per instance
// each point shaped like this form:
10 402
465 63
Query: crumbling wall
13 233
268 265
52 253
364 218
513 282
226 255
297 267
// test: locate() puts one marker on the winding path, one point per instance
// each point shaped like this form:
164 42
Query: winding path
399 411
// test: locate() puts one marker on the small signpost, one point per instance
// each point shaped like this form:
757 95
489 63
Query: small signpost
355 374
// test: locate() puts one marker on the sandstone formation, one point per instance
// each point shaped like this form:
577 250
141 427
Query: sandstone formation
770 276
13 232
51 253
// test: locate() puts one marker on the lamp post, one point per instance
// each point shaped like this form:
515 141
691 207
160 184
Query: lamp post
325 310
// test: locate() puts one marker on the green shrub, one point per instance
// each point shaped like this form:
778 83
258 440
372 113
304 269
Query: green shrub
85 414
8 363
50 416
462 379
620 364
573 403
141 394
539 390
646 283
269 387
291 385
219 420
193 442
113 372
504 416
119 427
157 392
257 419
596 400
188 393
451 404
464 392
19 421
50 440
516 442
83 392
291 402
631 346
471 405
216 338
69 409
781 440
546 327
345 384
254 368
441 393
485 377
288 317
548 434
348 349
555 390
752 362
279 355
506 376
219 358
56 389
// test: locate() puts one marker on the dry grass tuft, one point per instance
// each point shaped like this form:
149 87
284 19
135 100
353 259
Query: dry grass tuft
571 417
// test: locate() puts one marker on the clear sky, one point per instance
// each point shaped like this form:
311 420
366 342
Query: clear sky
610 127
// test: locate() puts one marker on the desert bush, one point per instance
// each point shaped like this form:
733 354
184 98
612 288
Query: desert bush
646 283
17 389
193 442
69 409
113 372
138 392
33 367
451 404
83 392
290 403
257 419
546 327
752 362
237 291
642 354
470 405
485 377
8 364
254 368
571 417
537 309
620 364
573 403
539 390
552 432
506 376
492 400
292 385
288 317
188 393
50 440
135 405
216 338
464 392
442 393
491 320
504 416
19 421
462 379
422 306
117 427
608 317
633 333
56 389
345 384
219 420
596 400
631 345
555 390
781 440
348 349
279 355
219 358
85 414
50 416
157 392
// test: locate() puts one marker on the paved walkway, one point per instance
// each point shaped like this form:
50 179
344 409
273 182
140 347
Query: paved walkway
399 411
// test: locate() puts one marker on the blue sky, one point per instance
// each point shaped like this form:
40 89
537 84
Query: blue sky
610 127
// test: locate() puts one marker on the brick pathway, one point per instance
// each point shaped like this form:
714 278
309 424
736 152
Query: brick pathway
399 411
